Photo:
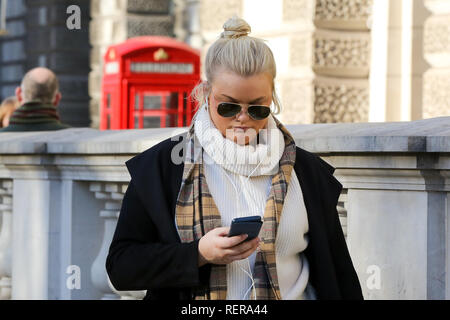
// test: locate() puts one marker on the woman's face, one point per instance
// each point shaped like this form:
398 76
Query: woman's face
5 120
252 90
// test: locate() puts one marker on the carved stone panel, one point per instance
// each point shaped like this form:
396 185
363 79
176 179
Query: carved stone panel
336 100
343 14
149 25
341 60
437 40
149 6
436 49
345 54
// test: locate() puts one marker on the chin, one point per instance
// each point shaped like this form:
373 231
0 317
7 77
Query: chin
240 142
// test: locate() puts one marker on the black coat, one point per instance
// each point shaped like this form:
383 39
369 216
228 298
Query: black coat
146 252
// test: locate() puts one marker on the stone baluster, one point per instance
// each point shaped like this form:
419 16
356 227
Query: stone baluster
112 194
109 215
5 239
342 210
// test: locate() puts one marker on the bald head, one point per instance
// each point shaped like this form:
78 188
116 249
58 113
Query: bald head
39 84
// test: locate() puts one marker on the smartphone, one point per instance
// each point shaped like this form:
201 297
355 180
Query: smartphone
246 225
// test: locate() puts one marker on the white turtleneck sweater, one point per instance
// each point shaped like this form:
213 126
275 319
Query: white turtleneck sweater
228 179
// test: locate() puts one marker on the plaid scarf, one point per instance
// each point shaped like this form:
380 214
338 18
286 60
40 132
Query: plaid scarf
197 214
34 112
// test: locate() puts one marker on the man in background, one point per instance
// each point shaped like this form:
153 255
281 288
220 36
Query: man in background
39 97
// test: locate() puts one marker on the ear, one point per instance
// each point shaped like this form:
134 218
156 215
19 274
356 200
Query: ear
19 94
57 99
206 87
206 91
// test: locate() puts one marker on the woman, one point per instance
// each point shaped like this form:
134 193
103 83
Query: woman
238 160
7 107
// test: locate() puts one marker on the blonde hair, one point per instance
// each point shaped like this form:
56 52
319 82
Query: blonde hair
7 107
239 53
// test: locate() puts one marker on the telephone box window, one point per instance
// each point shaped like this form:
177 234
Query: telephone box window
152 102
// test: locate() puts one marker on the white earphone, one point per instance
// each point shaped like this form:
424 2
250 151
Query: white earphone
249 273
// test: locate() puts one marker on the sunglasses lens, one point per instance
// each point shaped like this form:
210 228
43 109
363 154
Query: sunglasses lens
259 112
227 110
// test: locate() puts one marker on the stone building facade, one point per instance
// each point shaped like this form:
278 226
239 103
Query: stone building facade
322 50
337 60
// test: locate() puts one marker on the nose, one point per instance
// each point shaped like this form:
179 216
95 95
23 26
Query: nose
243 115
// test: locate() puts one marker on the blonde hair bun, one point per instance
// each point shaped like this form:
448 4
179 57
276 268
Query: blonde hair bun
235 27
239 53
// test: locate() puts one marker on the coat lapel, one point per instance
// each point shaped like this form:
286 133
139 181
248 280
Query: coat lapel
320 194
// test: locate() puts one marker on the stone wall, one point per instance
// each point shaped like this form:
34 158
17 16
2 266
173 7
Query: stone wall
61 192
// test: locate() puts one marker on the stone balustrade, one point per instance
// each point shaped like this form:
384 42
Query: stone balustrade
60 196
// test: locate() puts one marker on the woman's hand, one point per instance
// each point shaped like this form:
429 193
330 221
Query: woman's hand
217 248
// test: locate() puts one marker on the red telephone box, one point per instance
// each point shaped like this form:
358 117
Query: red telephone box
147 83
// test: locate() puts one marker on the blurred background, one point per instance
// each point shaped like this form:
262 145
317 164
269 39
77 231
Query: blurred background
337 60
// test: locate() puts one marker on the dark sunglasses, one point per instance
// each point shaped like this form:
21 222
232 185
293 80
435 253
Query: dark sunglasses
230 109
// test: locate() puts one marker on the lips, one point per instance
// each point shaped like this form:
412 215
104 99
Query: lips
241 129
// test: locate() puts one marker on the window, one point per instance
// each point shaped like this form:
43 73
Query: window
3 17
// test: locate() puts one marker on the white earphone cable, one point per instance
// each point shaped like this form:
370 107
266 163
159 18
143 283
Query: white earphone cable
250 275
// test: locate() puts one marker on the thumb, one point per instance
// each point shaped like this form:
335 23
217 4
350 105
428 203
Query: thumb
223 231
